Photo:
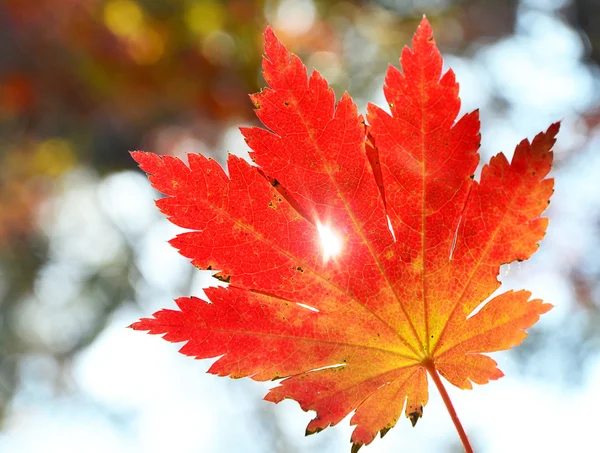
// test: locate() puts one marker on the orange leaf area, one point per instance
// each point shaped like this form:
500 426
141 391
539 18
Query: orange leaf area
420 243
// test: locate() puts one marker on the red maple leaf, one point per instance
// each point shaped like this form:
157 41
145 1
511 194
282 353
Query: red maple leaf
419 244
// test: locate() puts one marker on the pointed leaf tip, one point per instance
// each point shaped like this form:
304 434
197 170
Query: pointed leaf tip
311 431
274 48
355 448
277 63
424 29
137 155
415 415
269 34
553 129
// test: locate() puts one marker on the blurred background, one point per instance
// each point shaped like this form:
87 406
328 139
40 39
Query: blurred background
83 251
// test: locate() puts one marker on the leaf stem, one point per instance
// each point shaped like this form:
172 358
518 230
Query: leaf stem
430 367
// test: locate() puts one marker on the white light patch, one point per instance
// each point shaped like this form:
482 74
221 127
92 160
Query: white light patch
453 246
331 243
308 307
335 365
390 227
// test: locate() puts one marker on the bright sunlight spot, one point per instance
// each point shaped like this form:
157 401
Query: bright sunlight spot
331 243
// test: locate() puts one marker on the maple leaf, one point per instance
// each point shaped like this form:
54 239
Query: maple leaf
420 244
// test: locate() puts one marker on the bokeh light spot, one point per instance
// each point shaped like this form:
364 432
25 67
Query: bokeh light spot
124 18
54 156
295 16
147 48
205 18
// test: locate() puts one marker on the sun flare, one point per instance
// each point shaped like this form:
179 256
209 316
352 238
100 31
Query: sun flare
331 242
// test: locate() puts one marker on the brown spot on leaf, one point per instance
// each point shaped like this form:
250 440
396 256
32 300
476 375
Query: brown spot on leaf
416 415
223 278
